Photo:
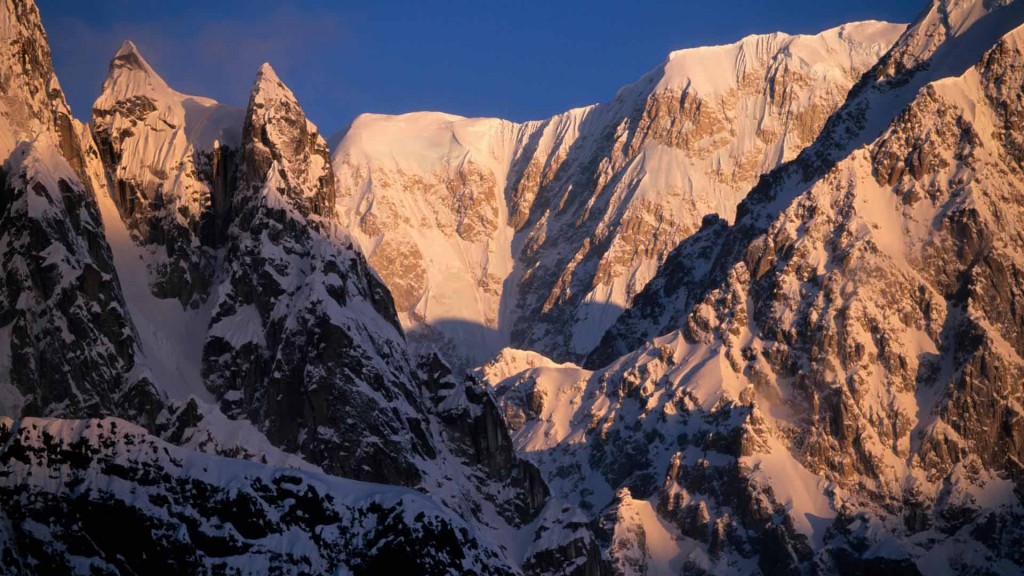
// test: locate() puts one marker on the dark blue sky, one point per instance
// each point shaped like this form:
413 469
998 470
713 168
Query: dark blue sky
511 59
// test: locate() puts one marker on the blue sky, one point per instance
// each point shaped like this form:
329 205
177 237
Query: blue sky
513 59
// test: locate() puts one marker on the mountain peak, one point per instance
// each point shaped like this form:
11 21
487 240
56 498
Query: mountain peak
270 93
277 131
269 87
127 47
267 71
128 56
130 75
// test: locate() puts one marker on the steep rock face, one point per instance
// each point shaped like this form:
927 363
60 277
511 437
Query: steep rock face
965 30
838 387
171 160
304 364
68 347
687 140
179 511
538 234
302 326
475 433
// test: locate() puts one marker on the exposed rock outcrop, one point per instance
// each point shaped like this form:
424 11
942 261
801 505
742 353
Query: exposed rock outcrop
835 386
171 159
67 345
537 235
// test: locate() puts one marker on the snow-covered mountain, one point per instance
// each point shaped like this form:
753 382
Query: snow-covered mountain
832 383
170 157
539 234
67 347
179 264
789 267
946 40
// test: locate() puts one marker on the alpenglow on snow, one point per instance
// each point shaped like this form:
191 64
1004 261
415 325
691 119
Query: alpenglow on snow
757 314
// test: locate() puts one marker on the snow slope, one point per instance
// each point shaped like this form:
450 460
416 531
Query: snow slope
837 383
491 233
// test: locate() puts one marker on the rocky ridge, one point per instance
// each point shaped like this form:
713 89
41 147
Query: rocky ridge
834 385
183 511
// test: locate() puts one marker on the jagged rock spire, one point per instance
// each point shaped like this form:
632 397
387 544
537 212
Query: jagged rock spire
167 158
277 135
320 332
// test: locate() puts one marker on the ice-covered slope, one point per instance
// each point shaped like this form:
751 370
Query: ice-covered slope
492 233
540 233
681 143
838 387
171 162
424 195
